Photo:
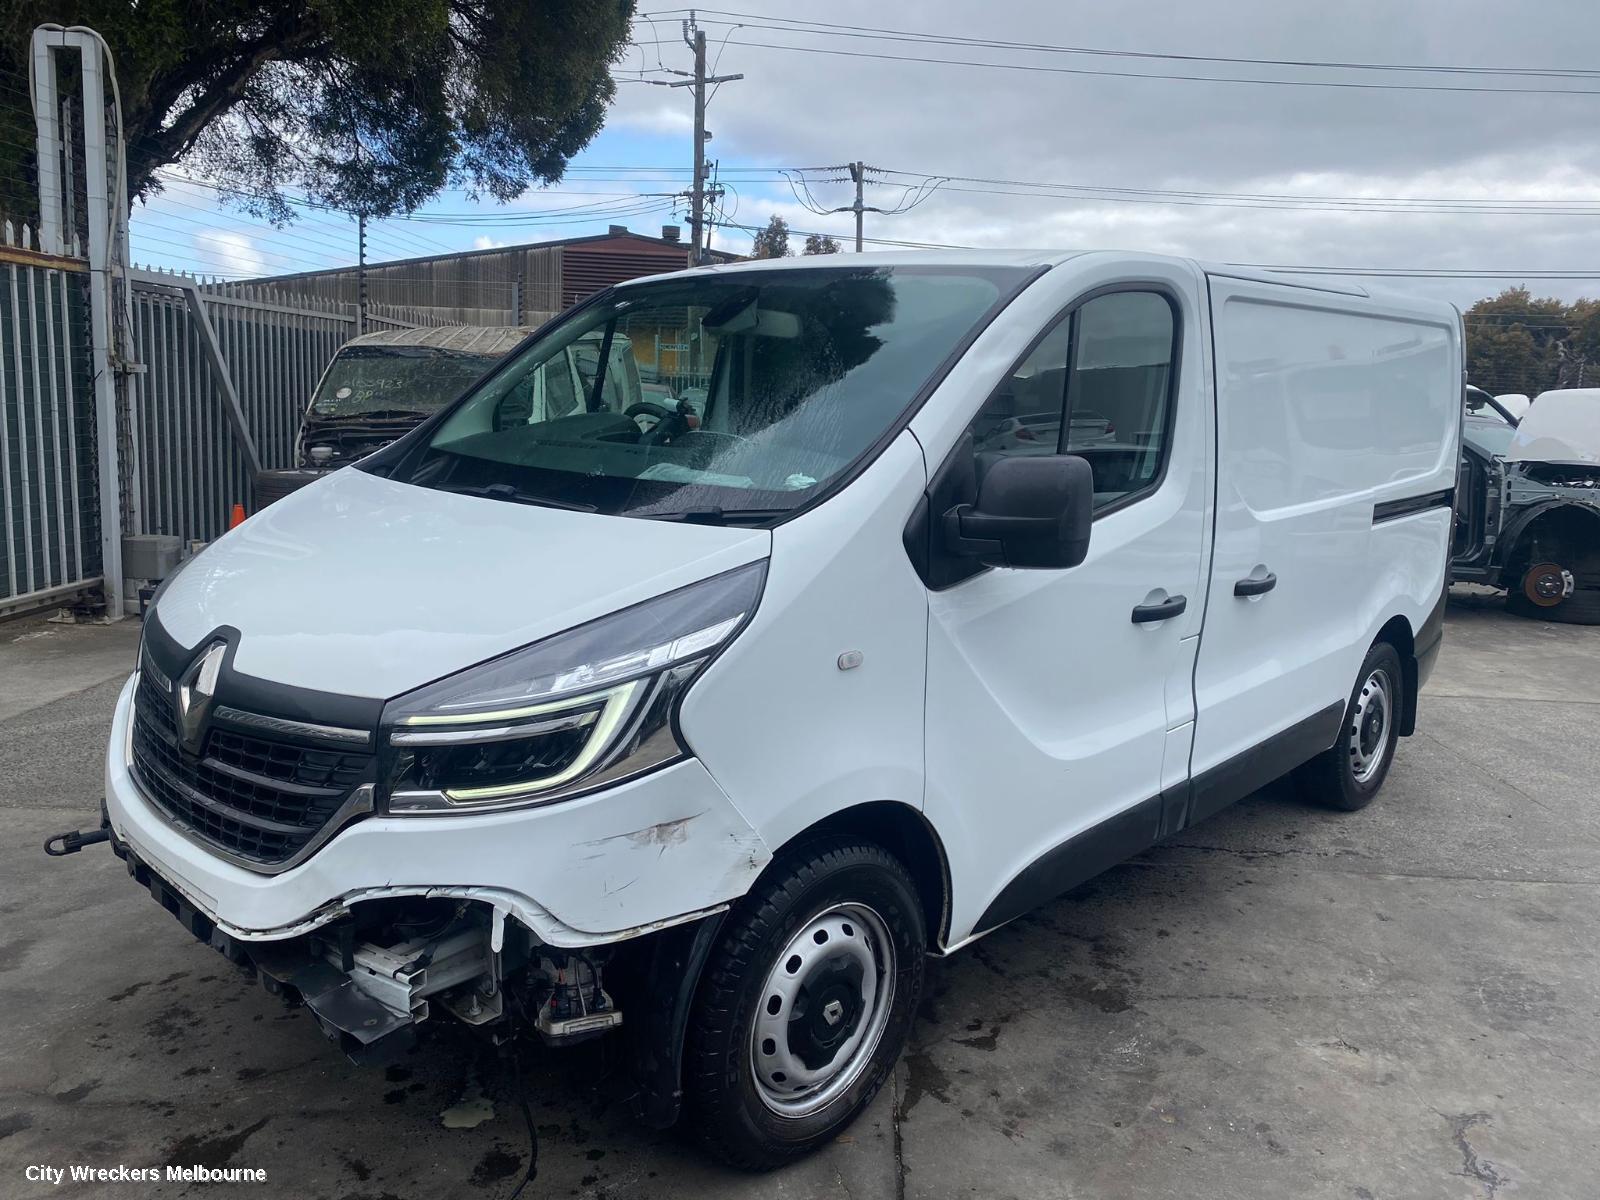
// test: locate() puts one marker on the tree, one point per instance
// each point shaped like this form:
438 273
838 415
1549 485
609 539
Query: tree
821 243
773 241
367 105
1516 343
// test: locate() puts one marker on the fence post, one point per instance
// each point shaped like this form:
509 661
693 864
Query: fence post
102 222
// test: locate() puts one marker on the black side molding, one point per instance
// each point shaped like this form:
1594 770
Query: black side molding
1118 838
1215 789
1391 510
1076 861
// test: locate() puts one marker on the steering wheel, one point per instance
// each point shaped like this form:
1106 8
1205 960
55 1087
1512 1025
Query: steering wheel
667 424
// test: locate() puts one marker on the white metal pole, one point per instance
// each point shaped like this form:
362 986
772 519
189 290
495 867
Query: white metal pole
47 123
97 190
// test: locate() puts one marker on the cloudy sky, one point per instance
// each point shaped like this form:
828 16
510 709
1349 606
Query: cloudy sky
1428 171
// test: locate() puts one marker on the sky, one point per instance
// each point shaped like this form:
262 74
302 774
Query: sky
1483 171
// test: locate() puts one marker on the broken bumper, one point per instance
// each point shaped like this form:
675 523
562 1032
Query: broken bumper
639 856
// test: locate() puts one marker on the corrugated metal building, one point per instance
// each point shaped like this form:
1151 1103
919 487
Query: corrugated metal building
501 286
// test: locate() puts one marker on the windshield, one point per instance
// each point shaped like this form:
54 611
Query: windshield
1490 435
363 380
761 388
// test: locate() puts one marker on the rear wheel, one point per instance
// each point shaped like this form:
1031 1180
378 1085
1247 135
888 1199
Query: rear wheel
1348 775
805 1004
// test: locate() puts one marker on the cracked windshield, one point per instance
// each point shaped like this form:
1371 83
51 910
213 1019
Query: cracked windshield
714 398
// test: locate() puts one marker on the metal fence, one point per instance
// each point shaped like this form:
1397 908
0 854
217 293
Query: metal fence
48 483
192 468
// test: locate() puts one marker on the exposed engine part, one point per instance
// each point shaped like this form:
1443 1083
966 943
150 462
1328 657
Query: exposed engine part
375 976
573 1004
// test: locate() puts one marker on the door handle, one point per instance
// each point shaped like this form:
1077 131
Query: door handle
1160 612
1256 587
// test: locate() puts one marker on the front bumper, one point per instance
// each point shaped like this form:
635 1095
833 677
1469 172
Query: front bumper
648 853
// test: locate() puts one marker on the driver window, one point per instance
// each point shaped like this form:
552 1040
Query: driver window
1097 385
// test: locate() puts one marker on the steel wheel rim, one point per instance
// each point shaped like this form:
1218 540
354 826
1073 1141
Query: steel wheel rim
1369 726
809 983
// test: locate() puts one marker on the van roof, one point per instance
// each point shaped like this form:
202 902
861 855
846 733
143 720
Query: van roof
1308 281
462 339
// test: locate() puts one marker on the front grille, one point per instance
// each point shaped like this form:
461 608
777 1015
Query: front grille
260 798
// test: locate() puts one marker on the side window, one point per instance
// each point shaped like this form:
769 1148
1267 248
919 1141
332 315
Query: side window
1097 385
1119 392
1023 416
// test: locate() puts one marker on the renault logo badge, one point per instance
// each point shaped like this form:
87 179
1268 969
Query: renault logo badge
832 1011
195 692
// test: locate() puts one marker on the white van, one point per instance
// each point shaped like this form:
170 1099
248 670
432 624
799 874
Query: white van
701 730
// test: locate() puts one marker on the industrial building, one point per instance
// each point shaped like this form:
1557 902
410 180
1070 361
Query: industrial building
502 285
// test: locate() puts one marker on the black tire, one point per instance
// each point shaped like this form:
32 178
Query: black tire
1581 607
721 1093
1333 778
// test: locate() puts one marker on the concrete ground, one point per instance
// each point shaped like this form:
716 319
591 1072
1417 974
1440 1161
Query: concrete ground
1282 1002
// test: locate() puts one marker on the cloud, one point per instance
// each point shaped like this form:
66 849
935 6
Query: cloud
229 252
484 242
796 108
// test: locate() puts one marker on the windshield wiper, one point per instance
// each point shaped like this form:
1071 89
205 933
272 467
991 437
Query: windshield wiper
715 515
504 491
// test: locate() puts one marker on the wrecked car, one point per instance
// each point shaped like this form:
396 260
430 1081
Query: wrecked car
380 386
1528 504
700 724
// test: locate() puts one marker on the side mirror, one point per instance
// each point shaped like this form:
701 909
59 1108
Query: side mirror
1032 511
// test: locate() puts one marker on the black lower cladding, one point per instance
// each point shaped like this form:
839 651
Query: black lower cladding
1120 837
259 798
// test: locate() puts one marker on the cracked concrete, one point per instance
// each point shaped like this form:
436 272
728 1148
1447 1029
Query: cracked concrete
1283 1002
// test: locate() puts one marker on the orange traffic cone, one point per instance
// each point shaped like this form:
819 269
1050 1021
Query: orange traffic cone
236 517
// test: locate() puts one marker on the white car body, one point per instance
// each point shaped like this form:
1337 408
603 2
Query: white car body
1019 716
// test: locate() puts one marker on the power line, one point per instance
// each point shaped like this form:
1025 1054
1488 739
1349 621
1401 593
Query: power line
831 28
1035 68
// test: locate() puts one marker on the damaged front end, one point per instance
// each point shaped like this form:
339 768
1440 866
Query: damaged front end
374 976
377 973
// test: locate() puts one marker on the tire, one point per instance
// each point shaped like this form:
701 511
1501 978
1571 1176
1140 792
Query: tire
1548 591
862 903
1348 775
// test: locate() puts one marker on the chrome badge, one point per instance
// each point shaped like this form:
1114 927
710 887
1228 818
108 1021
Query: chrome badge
196 690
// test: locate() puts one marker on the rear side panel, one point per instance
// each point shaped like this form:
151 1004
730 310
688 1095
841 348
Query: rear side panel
1338 421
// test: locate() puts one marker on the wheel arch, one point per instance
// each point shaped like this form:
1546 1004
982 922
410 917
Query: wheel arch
1398 633
1573 518
907 834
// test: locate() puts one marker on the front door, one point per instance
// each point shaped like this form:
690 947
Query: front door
1059 702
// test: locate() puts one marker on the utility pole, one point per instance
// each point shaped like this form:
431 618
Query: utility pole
695 38
858 173
361 272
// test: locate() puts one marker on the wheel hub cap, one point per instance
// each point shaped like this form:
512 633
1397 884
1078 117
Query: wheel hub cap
822 1011
1369 726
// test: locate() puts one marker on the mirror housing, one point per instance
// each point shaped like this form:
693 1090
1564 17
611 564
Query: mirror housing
1033 511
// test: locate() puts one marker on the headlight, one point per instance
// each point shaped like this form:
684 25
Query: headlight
569 714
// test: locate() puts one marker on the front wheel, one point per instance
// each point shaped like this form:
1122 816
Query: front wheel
1550 591
805 1004
1348 775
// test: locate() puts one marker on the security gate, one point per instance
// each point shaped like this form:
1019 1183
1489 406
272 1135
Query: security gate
49 499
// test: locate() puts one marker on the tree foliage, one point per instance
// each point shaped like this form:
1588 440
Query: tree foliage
368 105
773 241
821 243
1517 343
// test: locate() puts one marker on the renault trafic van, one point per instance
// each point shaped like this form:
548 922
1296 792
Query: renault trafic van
703 733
